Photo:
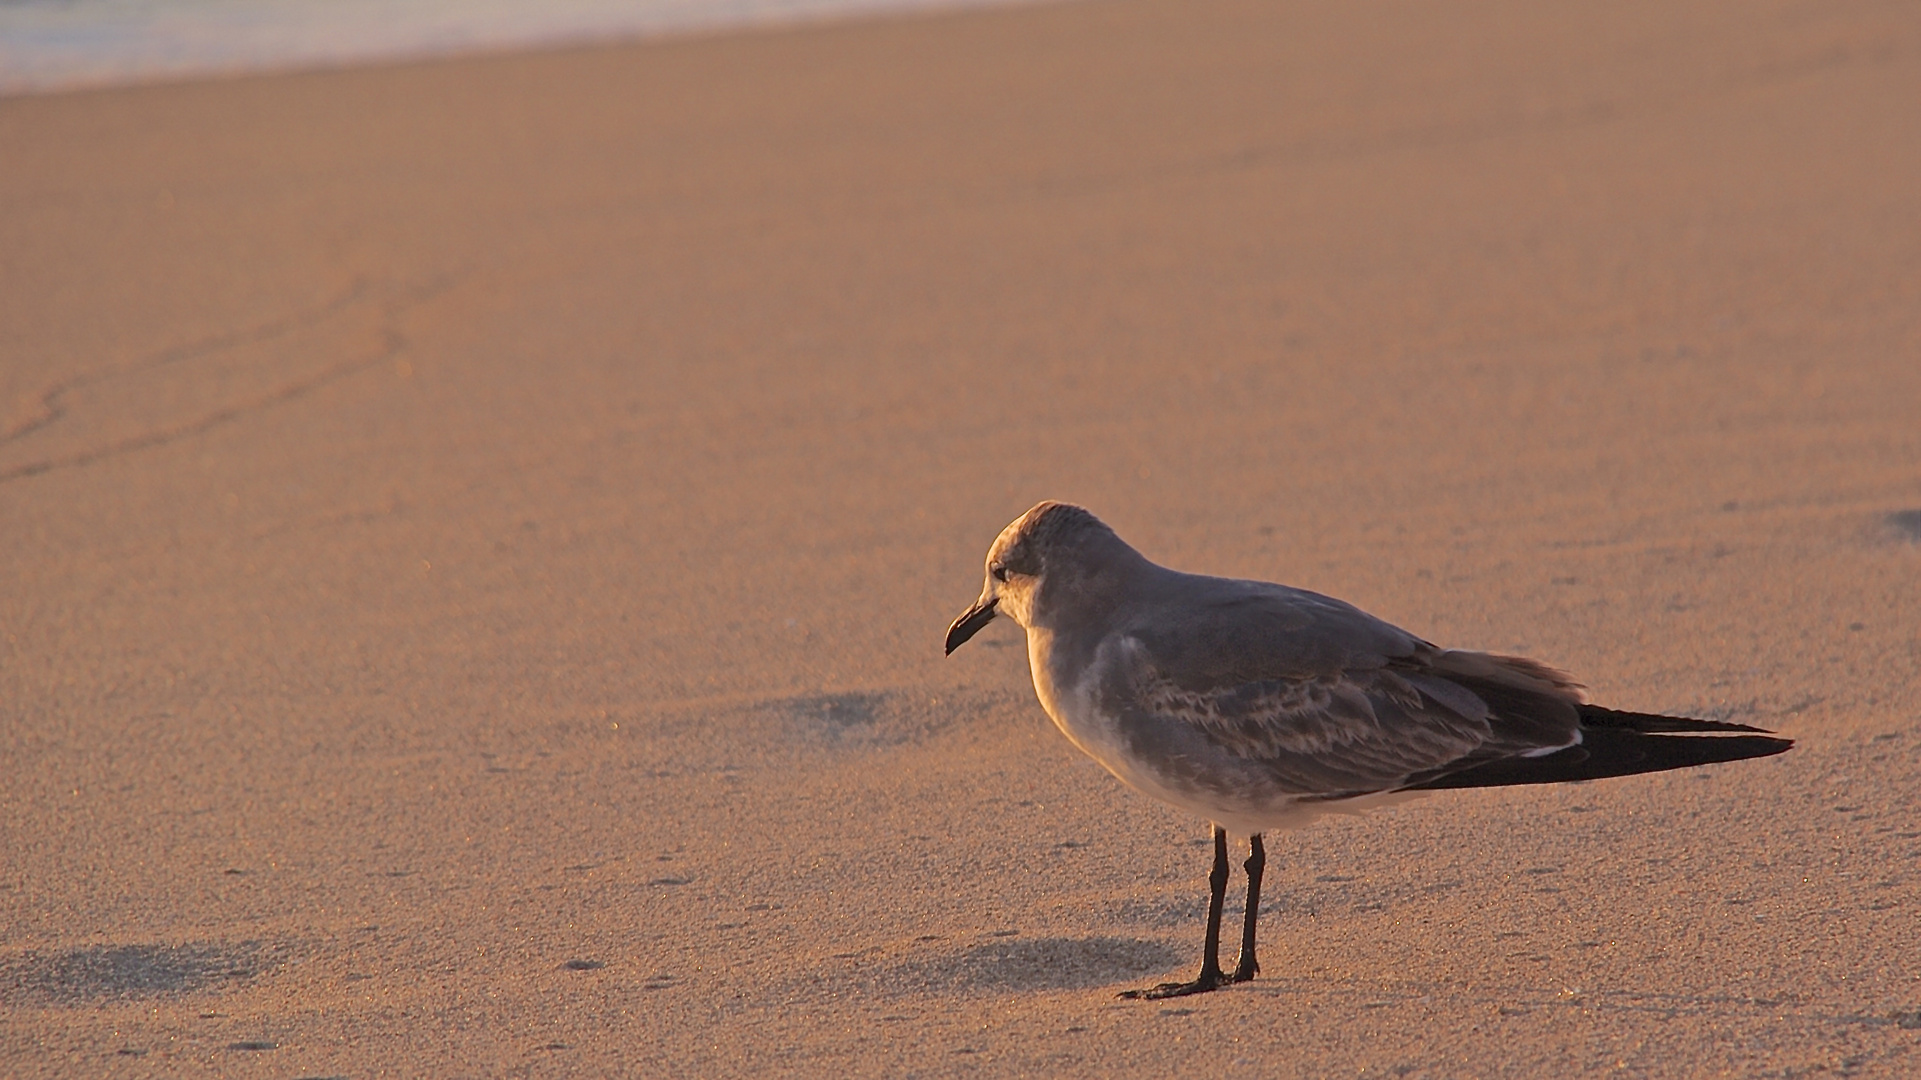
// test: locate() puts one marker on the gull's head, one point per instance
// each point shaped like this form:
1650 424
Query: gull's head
1052 545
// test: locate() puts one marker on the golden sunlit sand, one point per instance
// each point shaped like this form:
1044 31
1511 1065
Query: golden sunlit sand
478 537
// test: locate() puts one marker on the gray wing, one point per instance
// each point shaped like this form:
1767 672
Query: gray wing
1324 698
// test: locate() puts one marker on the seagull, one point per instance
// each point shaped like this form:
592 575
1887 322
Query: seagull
1261 707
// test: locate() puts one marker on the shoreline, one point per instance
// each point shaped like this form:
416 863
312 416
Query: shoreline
294 40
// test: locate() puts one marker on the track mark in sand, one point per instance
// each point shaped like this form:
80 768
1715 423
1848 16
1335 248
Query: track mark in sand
584 965
834 717
872 719
54 409
52 398
254 1045
1906 524
833 722
109 971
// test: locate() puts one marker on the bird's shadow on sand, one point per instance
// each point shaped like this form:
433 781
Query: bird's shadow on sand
1054 963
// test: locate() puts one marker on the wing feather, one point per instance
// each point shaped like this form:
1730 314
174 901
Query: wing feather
1366 708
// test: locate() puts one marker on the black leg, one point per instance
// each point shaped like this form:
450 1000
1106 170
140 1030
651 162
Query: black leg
1210 977
1248 967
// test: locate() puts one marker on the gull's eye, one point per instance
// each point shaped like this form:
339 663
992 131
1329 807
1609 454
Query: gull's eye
998 571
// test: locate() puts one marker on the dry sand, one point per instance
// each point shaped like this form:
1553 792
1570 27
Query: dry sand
463 519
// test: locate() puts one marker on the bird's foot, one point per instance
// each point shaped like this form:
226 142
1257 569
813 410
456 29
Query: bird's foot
1245 970
1209 980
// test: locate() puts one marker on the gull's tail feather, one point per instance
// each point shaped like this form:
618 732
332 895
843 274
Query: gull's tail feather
1618 744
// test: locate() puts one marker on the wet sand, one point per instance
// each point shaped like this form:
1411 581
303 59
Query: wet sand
477 538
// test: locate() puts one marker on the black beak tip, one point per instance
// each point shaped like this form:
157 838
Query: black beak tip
968 625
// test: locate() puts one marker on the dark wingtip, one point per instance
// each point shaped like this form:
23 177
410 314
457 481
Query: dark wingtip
1654 724
1608 752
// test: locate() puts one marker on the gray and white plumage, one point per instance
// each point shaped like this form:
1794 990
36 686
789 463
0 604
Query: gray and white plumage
1260 706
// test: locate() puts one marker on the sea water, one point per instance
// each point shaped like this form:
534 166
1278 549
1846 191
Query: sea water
49 45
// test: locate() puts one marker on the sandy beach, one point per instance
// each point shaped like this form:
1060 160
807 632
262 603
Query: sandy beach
476 537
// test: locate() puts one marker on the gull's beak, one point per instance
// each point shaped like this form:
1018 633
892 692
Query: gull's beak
970 622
